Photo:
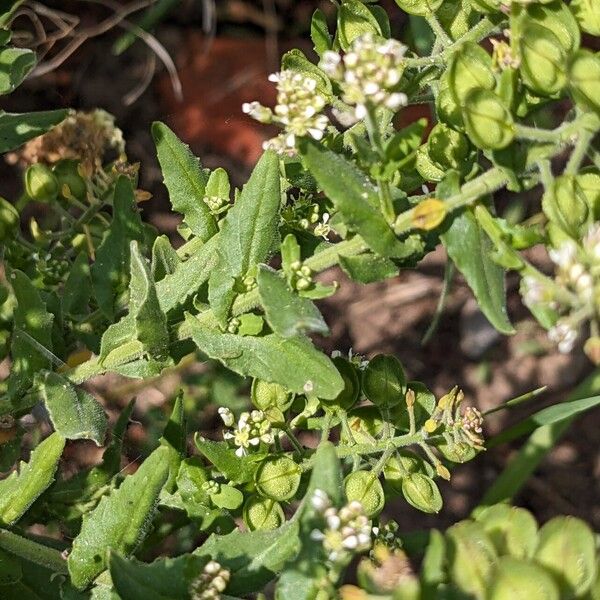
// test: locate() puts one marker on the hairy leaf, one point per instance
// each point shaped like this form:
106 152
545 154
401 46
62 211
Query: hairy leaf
287 313
367 268
185 180
164 258
18 128
471 250
353 195
21 489
110 271
163 579
75 413
247 235
78 287
293 362
120 520
236 469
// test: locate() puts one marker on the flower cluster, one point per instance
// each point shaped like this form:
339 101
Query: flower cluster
346 531
298 111
572 292
252 429
211 583
369 74
459 427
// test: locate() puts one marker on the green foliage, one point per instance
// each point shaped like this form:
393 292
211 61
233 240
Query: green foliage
92 289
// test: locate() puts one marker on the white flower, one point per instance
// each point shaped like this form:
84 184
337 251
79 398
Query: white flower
226 416
564 255
320 501
564 335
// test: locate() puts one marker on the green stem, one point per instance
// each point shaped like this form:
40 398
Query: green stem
579 152
33 552
437 28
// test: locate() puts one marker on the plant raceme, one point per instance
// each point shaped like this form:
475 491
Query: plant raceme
294 488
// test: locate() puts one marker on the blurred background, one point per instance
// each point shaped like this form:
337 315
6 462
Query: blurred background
205 58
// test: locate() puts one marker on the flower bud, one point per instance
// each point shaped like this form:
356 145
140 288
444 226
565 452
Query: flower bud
364 487
567 549
9 219
447 147
470 68
429 214
543 60
278 478
565 205
422 492
514 579
41 184
587 13
471 557
349 395
512 530
422 8
67 173
584 80
488 121
384 381
262 513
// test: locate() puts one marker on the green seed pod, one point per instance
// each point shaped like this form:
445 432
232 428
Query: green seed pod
422 8
67 173
567 549
422 492
470 68
265 394
447 109
557 18
543 60
488 121
447 147
426 168
349 395
365 425
41 184
278 478
588 180
513 530
403 464
514 579
456 17
458 452
565 205
584 80
471 557
9 219
262 513
384 381
587 13
365 487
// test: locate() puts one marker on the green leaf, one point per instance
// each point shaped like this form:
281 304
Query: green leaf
354 20
287 313
18 128
471 250
120 520
319 32
78 287
236 469
174 438
185 180
164 258
176 288
163 579
247 235
15 64
535 449
110 271
353 195
75 413
20 490
32 335
254 557
326 475
269 358
367 268
145 323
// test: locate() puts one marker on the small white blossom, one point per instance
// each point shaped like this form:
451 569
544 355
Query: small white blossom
368 74
252 429
564 255
226 416
298 111
320 501
211 583
564 335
